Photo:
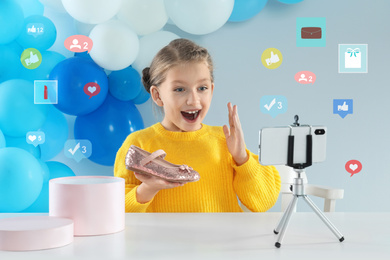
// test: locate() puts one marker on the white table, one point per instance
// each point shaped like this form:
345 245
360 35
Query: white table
229 236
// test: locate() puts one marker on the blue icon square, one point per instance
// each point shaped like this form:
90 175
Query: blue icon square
353 58
311 31
45 91
343 107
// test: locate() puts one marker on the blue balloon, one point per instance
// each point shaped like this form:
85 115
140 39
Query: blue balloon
125 84
38 32
82 54
20 142
290 1
49 60
142 97
52 170
18 113
20 179
56 133
30 7
72 75
11 21
107 128
2 140
246 9
10 65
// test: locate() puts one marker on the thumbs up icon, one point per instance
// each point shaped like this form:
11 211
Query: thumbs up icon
343 107
32 29
274 59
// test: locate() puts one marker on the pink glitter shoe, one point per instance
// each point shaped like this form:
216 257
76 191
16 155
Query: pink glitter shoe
141 161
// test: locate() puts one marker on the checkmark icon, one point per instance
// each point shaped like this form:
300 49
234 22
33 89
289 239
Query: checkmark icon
268 107
74 149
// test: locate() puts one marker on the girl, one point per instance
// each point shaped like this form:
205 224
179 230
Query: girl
180 80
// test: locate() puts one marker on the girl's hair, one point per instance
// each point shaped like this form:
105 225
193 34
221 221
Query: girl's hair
177 52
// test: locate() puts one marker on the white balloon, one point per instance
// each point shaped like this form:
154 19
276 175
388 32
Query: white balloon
149 46
83 28
201 16
92 11
54 4
115 45
144 16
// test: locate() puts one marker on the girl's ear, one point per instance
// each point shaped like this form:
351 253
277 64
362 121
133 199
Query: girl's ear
156 96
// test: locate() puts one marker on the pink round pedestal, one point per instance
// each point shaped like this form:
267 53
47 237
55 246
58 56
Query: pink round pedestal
35 233
96 204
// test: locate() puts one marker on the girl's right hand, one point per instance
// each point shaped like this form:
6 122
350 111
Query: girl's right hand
151 185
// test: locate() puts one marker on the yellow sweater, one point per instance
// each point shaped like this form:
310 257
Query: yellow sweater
221 180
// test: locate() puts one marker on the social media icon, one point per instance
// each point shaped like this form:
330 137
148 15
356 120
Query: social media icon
353 167
91 89
45 92
35 29
78 43
311 31
271 58
78 149
343 107
353 58
31 58
305 77
273 105
35 138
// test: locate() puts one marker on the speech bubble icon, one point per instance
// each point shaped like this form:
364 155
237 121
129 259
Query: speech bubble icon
305 77
273 105
78 149
343 107
91 89
35 137
35 29
353 167
78 43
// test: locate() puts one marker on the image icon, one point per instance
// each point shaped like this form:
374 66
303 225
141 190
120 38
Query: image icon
78 43
305 77
273 105
31 58
45 92
78 149
353 58
311 31
91 89
353 167
343 107
35 29
271 58
35 137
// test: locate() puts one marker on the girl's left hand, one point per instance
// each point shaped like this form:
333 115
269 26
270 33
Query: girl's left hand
235 137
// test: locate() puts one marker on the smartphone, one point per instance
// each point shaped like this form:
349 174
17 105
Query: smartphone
273 144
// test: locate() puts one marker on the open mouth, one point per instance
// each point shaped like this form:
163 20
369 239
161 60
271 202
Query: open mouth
191 115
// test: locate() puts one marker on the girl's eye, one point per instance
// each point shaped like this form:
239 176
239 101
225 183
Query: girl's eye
203 88
179 89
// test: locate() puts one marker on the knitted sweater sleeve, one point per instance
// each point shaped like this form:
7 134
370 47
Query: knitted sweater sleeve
257 186
131 183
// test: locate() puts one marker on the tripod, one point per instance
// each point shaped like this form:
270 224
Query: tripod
298 190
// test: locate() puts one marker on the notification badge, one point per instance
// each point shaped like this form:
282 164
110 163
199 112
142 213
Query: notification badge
91 89
353 167
78 43
305 77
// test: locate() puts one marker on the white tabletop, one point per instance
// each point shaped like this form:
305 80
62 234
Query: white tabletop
229 236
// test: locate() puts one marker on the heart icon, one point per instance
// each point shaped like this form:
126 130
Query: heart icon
353 167
32 138
91 89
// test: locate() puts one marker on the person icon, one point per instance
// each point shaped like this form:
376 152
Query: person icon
75 44
303 78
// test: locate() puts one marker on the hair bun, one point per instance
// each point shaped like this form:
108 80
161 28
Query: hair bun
146 79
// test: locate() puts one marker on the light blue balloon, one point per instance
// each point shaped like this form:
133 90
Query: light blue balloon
31 7
290 1
142 97
20 142
38 32
54 170
18 113
20 179
11 21
246 9
10 65
56 133
49 60
2 140
125 84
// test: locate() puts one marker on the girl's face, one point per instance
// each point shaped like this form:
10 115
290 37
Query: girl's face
185 96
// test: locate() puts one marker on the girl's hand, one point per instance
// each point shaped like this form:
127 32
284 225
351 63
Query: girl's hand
235 137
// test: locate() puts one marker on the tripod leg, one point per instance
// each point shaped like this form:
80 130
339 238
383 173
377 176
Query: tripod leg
323 218
283 218
286 220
